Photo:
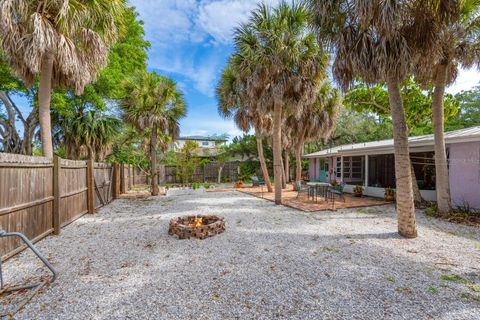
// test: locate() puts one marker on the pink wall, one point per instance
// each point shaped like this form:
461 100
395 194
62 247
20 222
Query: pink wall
465 173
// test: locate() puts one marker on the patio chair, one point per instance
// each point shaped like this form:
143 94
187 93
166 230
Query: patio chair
257 182
336 191
301 189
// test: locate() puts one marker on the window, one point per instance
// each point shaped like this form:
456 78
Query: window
339 168
381 171
205 143
353 170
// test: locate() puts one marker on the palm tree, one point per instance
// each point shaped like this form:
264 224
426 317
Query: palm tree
316 122
65 42
280 59
88 134
153 104
459 44
377 41
232 103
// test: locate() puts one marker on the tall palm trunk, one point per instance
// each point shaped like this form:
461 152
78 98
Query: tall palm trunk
44 98
298 162
441 169
263 164
407 225
298 157
153 160
277 151
417 196
287 166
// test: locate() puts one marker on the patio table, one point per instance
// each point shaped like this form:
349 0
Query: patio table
319 188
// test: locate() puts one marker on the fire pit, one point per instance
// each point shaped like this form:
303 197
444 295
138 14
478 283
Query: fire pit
199 226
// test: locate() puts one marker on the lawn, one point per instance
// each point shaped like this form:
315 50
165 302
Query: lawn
271 262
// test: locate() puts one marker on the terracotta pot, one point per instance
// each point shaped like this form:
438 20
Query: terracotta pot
358 194
239 185
389 197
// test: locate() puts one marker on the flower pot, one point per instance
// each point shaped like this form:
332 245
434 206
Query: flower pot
239 185
358 194
389 197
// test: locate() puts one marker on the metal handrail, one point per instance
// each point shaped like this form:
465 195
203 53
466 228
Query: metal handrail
35 286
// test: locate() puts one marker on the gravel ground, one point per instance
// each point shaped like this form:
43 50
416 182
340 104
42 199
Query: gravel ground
271 263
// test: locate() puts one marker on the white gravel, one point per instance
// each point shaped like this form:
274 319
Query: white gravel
271 263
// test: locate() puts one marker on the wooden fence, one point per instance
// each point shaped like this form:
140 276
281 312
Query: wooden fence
39 196
203 173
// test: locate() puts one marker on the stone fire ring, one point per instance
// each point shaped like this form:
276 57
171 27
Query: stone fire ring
182 227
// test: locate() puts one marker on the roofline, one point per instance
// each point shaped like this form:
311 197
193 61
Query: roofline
387 147
200 139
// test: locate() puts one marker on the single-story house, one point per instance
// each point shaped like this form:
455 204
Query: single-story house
371 164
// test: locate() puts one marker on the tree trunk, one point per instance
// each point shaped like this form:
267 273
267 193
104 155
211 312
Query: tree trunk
407 225
287 166
153 161
441 168
284 183
298 161
417 196
44 97
219 178
277 151
263 164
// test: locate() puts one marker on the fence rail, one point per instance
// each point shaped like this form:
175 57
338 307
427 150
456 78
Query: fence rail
39 196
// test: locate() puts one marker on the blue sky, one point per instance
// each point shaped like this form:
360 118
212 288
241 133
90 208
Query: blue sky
191 41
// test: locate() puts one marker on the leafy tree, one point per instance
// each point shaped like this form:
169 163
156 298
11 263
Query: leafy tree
82 127
187 161
10 112
469 110
221 158
153 105
416 101
65 43
93 104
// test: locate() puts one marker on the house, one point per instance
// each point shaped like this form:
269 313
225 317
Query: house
207 146
371 164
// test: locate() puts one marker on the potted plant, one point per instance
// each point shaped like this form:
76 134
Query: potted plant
389 194
239 184
358 191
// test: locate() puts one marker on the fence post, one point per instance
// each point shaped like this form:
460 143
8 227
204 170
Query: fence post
116 181
56 195
90 186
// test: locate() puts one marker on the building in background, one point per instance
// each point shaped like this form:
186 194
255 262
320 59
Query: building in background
207 146
372 165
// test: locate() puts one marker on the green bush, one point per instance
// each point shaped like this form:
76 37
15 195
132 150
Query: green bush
248 169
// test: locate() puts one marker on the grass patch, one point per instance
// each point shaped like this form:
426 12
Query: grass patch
466 295
432 290
391 279
473 287
452 278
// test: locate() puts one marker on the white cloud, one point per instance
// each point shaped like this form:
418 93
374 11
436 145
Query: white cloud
466 80
209 127
175 27
219 18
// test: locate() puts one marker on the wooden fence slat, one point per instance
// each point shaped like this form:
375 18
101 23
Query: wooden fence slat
91 187
56 195
24 206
